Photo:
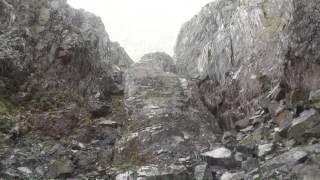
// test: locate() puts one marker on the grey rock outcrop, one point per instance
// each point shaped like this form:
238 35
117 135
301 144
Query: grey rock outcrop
240 49
257 67
58 46
59 71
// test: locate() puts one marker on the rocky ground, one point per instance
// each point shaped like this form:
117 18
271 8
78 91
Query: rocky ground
240 99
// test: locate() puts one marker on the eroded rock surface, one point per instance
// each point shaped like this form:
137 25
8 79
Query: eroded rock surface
167 121
257 66
243 49
59 72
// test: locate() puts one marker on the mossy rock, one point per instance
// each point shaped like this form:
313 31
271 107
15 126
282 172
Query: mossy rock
43 16
131 156
9 105
60 168
36 28
315 103
271 24
3 107
5 125
257 137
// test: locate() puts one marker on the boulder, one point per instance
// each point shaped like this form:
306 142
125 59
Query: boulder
25 170
232 176
60 168
249 164
201 172
305 124
315 99
108 122
220 156
307 172
288 161
265 149
160 59
282 117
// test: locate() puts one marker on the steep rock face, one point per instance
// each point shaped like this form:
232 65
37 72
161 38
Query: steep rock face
59 46
167 122
61 91
257 67
118 56
242 49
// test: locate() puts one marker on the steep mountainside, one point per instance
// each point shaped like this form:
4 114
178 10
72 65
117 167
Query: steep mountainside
257 67
241 100
59 73
242 49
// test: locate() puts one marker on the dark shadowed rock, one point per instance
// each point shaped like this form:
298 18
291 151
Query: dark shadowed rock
99 109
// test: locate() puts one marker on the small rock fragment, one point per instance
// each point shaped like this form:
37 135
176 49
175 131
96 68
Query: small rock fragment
232 176
25 170
220 156
282 116
201 172
265 149
108 122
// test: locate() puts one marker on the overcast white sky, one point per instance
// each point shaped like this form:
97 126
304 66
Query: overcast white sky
143 26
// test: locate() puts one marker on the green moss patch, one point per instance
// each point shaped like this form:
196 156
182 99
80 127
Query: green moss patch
271 24
3 107
131 156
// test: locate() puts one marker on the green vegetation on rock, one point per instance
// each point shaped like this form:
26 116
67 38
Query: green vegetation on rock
44 16
271 24
60 168
131 156
3 107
